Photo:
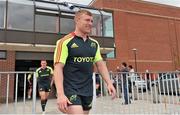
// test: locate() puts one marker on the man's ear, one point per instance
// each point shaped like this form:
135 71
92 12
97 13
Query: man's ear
76 19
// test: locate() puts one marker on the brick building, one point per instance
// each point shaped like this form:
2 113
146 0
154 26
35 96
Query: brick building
152 29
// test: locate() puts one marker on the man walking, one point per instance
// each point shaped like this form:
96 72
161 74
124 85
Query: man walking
44 79
74 58
124 75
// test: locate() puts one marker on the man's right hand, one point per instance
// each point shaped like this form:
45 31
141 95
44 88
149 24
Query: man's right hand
30 83
111 90
62 103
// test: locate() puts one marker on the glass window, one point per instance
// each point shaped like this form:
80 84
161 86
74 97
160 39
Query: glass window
3 54
47 5
2 13
46 24
66 25
107 24
111 54
47 8
20 15
97 23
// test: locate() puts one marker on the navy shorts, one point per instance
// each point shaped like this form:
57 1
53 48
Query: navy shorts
85 101
46 88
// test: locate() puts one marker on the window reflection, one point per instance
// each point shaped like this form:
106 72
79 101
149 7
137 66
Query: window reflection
20 15
66 25
46 5
2 13
107 24
47 24
110 54
97 25
3 54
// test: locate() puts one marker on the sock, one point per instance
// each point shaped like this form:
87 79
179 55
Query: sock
43 104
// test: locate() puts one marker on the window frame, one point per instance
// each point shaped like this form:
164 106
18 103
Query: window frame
4 53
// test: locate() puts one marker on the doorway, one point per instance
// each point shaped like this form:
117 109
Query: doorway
25 66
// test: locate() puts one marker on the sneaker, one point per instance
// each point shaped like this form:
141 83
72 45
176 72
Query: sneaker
44 112
29 97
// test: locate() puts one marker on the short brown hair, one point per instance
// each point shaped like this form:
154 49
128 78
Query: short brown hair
43 60
80 12
124 64
130 66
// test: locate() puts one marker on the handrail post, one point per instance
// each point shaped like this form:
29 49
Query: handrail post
34 93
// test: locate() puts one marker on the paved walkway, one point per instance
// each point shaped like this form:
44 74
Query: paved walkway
103 105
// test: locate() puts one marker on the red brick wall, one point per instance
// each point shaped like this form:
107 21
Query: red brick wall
150 28
7 65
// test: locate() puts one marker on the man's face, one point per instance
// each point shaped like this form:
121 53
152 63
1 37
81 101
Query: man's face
43 64
122 66
84 23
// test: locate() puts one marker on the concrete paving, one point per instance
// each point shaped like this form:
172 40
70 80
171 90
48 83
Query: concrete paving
102 105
